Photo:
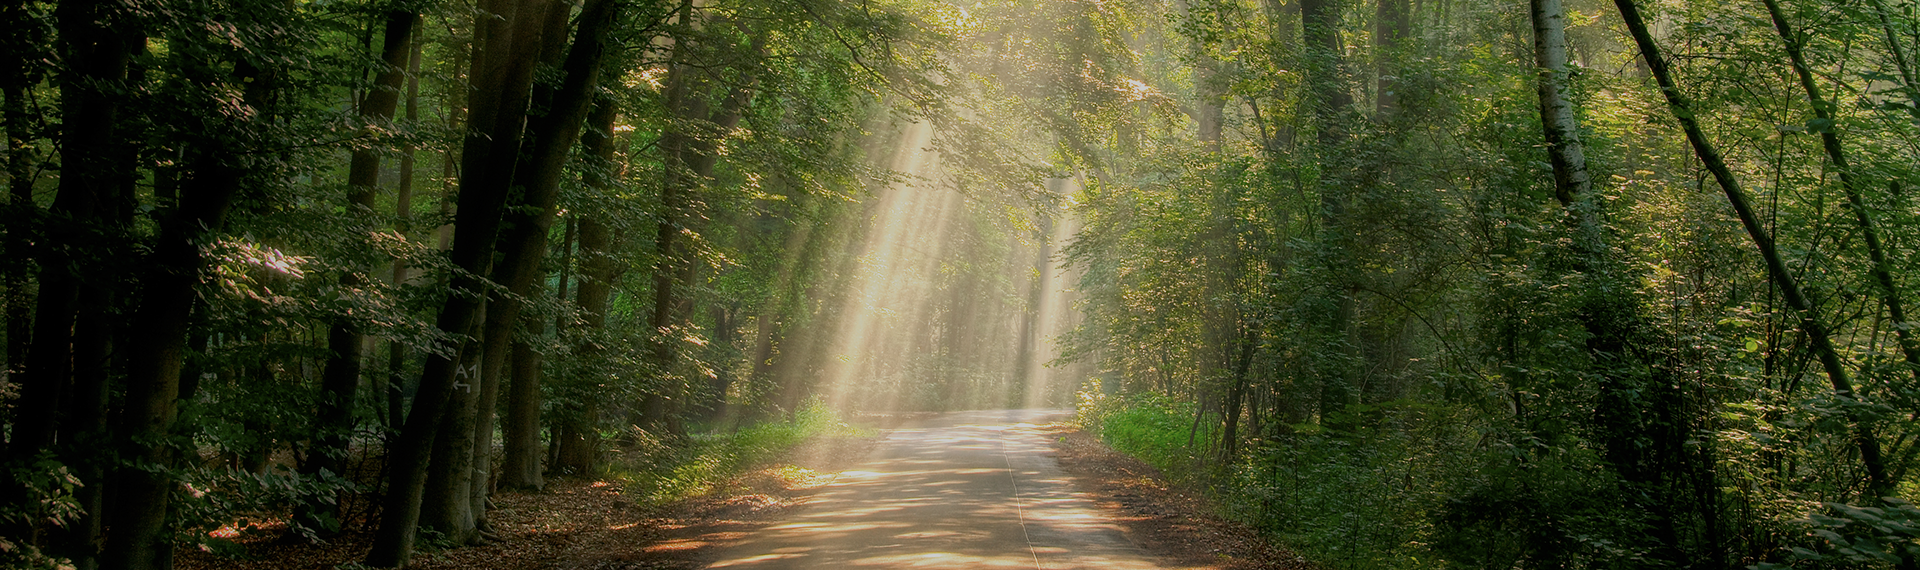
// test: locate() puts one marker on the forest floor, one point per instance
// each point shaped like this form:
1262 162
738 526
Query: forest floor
580 524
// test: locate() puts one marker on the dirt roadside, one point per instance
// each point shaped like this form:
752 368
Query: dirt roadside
1173 524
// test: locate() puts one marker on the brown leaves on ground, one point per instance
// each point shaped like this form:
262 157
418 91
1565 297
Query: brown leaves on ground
1172 523
575 524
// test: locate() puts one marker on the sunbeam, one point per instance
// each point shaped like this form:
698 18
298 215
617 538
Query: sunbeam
948 304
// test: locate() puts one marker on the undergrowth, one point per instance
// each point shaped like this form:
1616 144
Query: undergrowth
708 463
1350 500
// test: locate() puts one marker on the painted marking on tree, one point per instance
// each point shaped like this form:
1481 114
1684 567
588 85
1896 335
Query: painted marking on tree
465 372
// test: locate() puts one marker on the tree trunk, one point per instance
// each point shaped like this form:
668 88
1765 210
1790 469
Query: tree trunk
676 183
21 209
578 437
87 430
340 380
390 386
520 467
1900 61
1863 217
1392 24
98 57
1331 104
58 404
520 463
447 505
142 487
1818 340
508 38
577 441
726 330
523 243
1567 154
1636 414
689 161
1237 394
1320 32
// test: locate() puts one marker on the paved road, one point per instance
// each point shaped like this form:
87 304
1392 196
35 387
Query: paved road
959 490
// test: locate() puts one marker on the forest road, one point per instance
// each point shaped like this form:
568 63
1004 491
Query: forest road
969 490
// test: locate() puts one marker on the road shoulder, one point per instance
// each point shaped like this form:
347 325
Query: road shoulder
1175 525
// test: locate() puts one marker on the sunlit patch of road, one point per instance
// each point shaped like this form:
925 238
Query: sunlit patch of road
959 490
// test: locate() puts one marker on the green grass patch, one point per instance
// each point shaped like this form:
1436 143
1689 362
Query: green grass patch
1150 427
660 474
1363 500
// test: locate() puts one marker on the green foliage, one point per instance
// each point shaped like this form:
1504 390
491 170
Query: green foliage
1365 500
47 489
657 474
215 497
1151 427
1864 536
1370 331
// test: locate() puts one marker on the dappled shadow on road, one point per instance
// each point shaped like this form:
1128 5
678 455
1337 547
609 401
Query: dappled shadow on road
963 490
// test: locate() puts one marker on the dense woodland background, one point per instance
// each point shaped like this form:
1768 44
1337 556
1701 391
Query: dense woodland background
1403 283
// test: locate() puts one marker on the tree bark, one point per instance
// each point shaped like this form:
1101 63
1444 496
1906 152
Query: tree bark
390 385
1817 337
508 38
524 242
577 439
520 461
142 487
447 505
1564 148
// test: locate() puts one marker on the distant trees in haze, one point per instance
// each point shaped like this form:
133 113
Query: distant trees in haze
1559 283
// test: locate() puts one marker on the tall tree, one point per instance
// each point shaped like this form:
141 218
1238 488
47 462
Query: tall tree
16 78
1819 341
577 435
524 243
97 43
689 147
218 167
340 380
1331 102
1864 219
390 384
506 46
1392 27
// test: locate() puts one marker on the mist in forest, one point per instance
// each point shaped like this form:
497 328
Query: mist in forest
1401 284
945 308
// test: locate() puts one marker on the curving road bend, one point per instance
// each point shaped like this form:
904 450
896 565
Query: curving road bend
959 490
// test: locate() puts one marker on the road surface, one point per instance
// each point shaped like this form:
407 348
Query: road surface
968 490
